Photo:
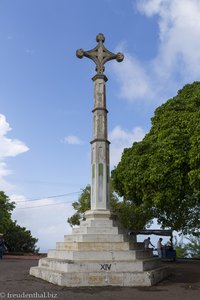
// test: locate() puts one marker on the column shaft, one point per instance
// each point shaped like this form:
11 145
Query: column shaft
100 148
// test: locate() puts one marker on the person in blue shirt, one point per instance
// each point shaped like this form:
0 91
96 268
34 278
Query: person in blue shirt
2 246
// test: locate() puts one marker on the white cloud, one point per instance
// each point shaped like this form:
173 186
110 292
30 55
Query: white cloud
179 24
72 140
134 80
150 7
47 219
121 139
8 148
4 171
177 60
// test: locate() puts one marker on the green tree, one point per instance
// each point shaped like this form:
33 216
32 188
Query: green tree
161 174
6 208
193 247
128 216
83 204
188 250
131 216
180 247
80 206
18 239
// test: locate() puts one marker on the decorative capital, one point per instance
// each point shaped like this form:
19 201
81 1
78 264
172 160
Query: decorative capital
100 54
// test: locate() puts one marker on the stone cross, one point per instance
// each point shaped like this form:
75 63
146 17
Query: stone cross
100 55
100 165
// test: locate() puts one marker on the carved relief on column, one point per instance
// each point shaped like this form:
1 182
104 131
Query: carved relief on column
92 196
93 155
100 95
104 125
100 130
107 155
101 167
101 155
94 125
99 124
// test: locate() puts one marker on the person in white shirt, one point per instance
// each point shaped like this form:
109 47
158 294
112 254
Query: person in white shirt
159 247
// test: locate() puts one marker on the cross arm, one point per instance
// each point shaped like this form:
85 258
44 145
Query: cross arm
100 54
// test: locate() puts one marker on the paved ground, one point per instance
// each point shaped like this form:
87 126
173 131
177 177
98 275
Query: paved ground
15 283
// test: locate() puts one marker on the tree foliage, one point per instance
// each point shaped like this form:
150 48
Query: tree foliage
161 174
188 250
80 207
193 247
83 204
179 246
6 208
17 238
127 215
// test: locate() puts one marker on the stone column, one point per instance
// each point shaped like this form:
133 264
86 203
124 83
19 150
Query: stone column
100 192
100 148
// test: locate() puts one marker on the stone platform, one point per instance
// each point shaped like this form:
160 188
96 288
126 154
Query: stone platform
97 254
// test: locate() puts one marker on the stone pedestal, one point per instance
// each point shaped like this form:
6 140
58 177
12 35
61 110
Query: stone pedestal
97 254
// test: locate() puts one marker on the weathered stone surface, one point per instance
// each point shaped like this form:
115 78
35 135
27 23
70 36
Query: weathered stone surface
99 246
102 266
95 230
84 260
94 238
98 253
97 222
146 278
100 55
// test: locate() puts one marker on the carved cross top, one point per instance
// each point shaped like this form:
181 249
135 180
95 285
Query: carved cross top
100 55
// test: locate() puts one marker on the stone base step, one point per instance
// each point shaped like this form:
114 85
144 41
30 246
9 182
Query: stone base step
95 230
95 238
90 246
99 255
97 223
81 279
103 266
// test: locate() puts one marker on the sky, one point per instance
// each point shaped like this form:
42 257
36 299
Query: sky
46 93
